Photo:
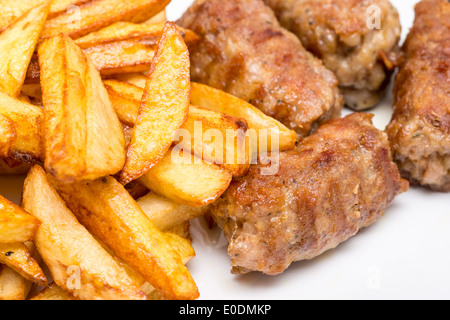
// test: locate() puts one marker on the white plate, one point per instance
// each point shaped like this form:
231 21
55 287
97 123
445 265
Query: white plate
405 255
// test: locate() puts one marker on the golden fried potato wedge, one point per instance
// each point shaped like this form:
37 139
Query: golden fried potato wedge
275 137
16 225
11 10
166 213
121 31
12 285
136 78
77 262
164 107
7 135
121 56
26 119
109 212
19 257
187 179
101 13
158 18
52 292
215 137
17 44
83 136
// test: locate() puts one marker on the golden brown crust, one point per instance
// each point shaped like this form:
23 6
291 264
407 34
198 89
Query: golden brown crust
420 128
244 51
337 181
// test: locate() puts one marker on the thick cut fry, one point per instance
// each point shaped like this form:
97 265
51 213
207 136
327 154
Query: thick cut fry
121 31
11 10
187 179
12 285
166 213
52 292
123 47
101 13
17 44
276 137
16 225
76 261
7 135
83 136
159 18
136 78
26 120
215 137
109 212
19 257
121 56
164 108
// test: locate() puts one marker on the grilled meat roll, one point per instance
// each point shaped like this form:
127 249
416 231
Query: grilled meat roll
244 51
356 39
339 180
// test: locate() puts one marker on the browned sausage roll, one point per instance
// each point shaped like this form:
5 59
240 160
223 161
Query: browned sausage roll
420 128
356 39
244 51
339 180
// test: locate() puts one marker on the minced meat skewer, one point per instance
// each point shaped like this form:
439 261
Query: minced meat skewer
339 180
356 39
420 128
244 51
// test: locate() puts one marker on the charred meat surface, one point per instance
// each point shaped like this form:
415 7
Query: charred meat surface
339 180
356 39
244 51
420 128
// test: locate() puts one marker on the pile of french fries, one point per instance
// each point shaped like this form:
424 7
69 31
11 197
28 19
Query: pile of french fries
98 110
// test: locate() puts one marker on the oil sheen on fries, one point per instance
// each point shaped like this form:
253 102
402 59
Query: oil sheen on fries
164 107
109 212
78 113
16 225
67 247
17 44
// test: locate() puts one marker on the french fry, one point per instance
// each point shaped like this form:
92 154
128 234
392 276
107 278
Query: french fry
26 119
215 137
19 257
182 229
109 212
166 213
11 10
164 107
136 78
16 225
101 13
122 31
52 292
187 179
7 135
17 44
67 247
122 47
158 18
83 136
121 57
12 285
277 138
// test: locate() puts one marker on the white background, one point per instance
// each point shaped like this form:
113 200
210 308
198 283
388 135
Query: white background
405 255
